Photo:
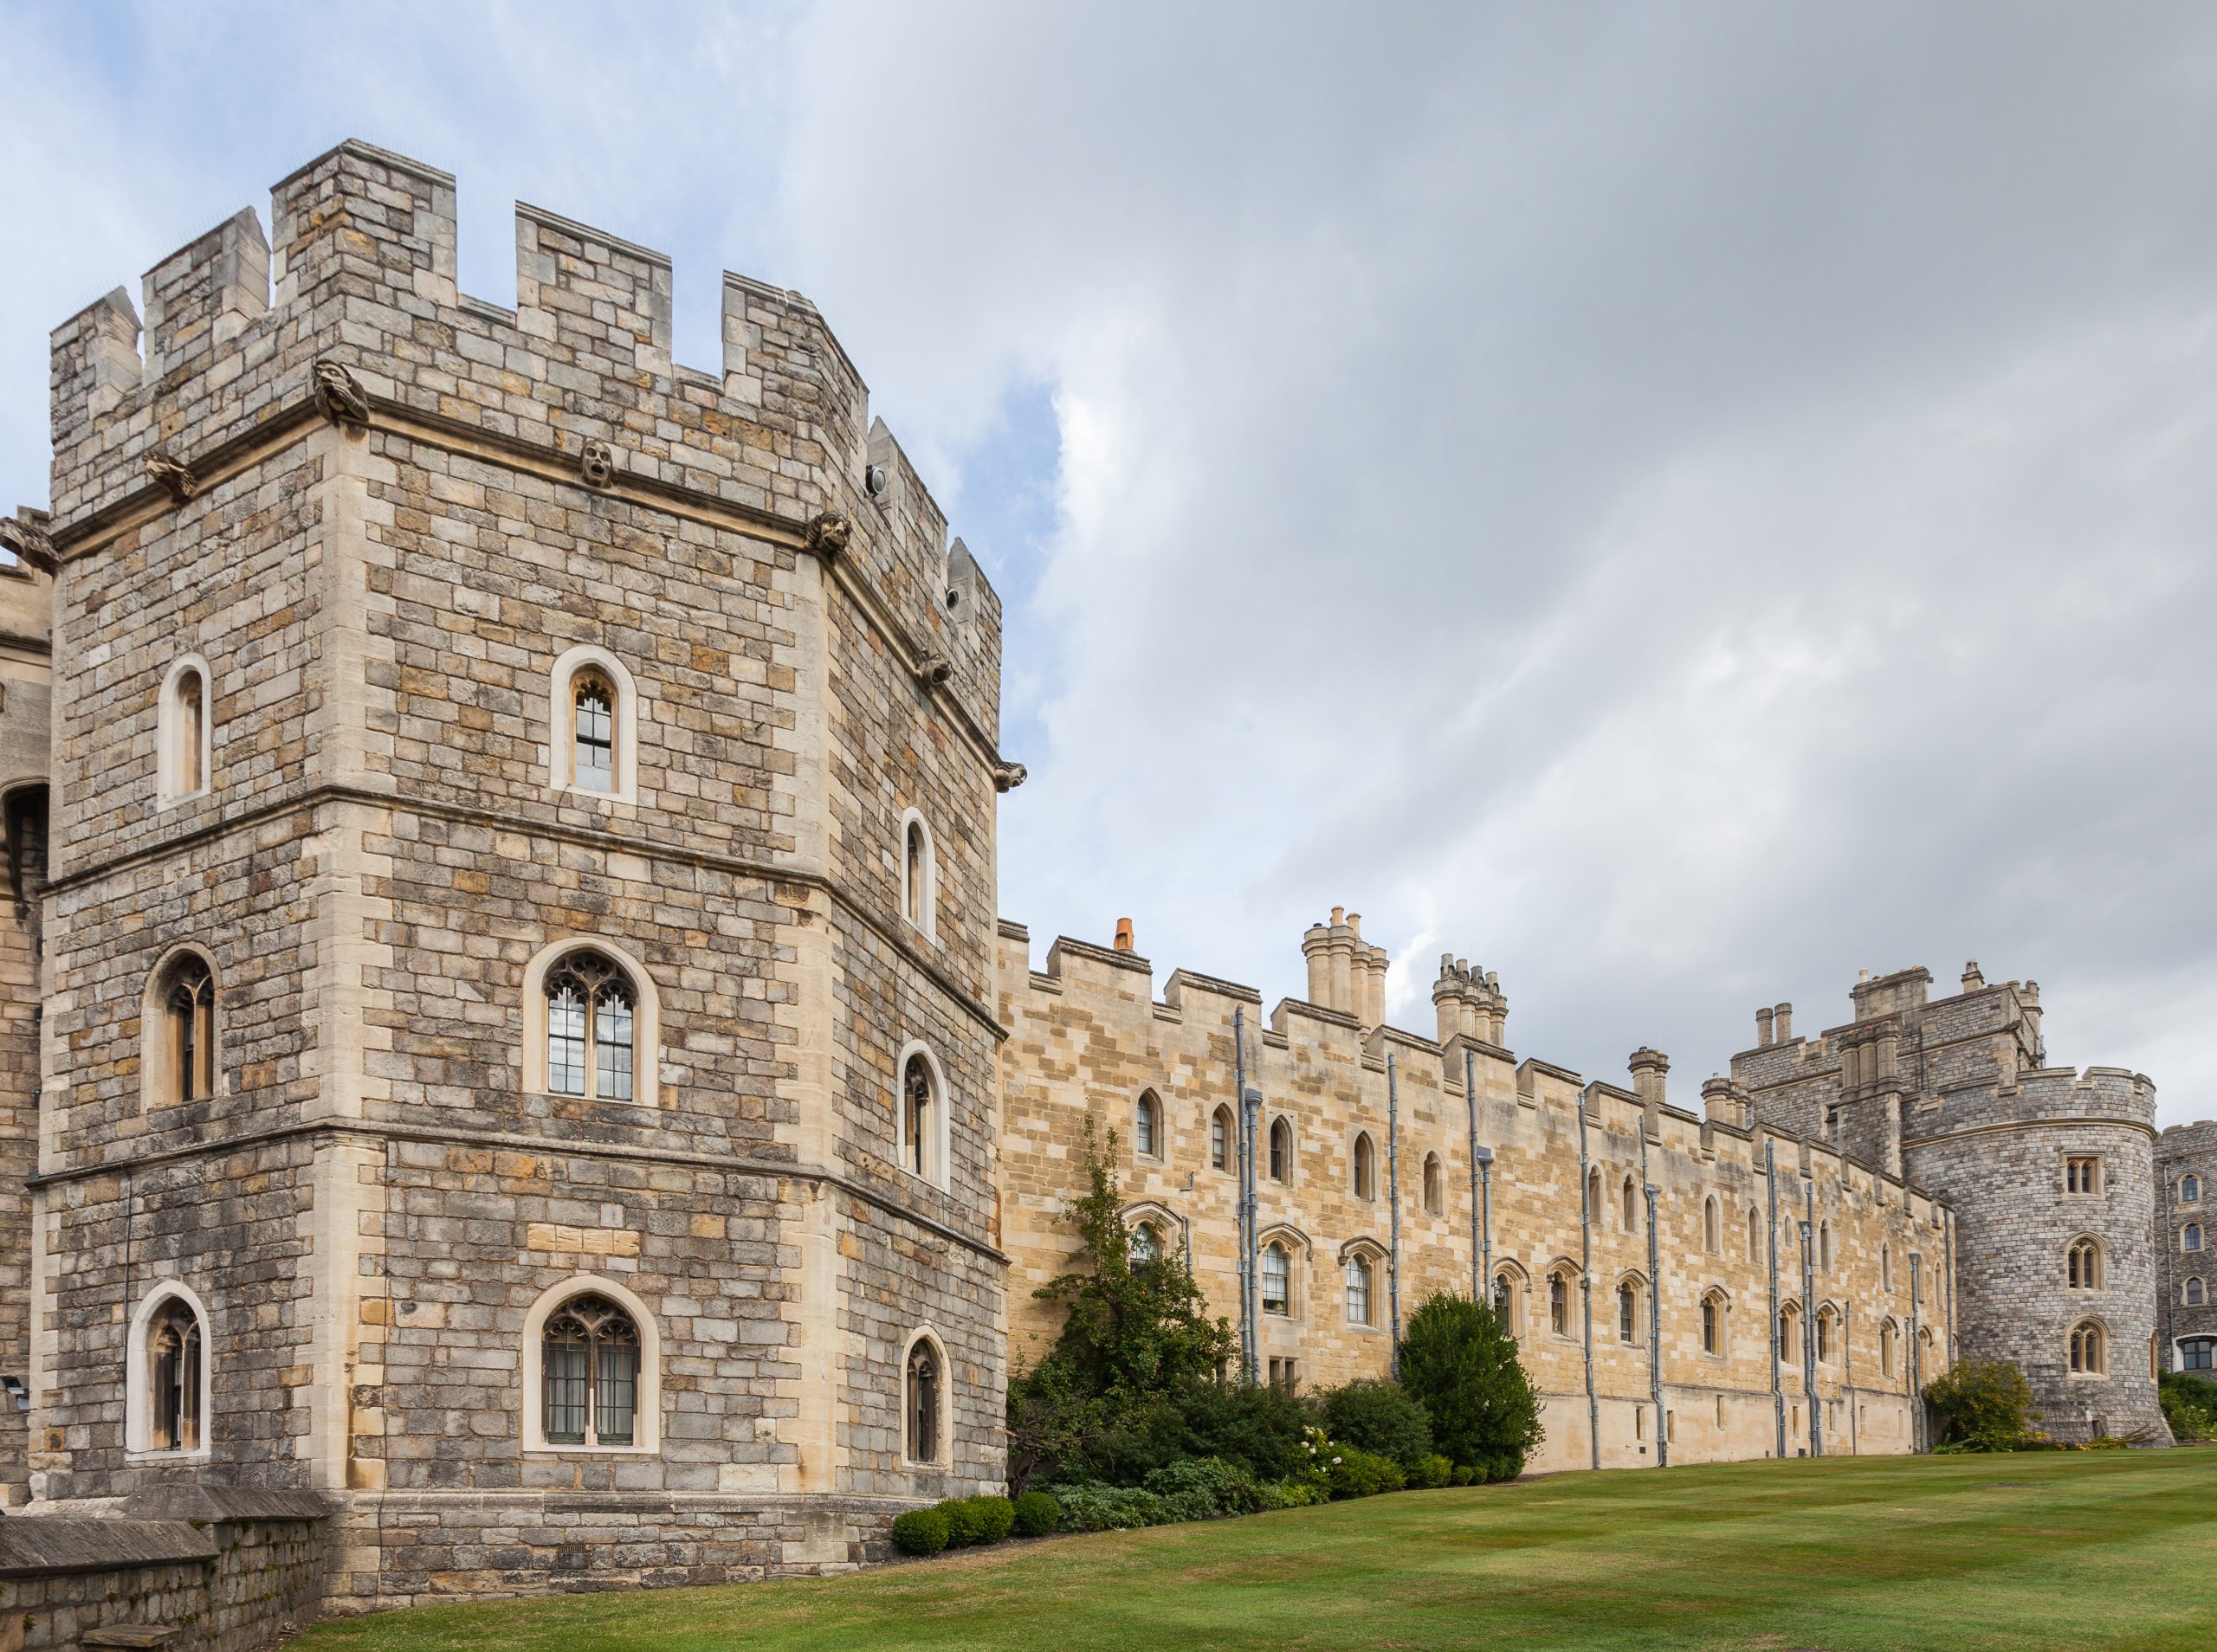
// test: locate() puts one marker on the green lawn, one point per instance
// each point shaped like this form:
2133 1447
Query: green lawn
2111 1550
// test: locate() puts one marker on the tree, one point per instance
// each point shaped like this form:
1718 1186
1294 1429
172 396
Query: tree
1105 1402
1984 1405
1459 1364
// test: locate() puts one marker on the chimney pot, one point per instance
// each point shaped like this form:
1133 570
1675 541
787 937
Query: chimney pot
1782 1023
1354 923
1973 978
1339 916
1763 1028
1123 934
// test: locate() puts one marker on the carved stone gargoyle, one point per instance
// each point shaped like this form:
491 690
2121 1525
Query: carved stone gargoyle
827 534
172 475
934 670
596 464
1007 777
24 536
339 395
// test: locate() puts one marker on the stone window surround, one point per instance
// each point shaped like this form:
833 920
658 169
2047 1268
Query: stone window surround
1433 1183
167 733
1294 1244
155 1078
561 713
1628 1199
2102 1350
1831 1333
1362 1145
1230 1165
1160 1152
938 1459
1639 1283
1568 1272
926 923
1370 1251
1520 1288
139 1401
937 1152
2100 1176
1722 1298
2099 1261
646 1017
647 1424
1292 1177
1712 1226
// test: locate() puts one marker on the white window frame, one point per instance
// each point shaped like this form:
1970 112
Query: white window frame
646 1019
936 1155
647 1418
139 1401
623 724
926 921
166 733
155 1076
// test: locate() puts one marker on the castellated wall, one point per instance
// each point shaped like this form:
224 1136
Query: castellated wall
2186 1199
1088 1038
381 514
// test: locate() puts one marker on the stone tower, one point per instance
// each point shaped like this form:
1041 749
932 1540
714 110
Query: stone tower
2185 1241
2050 1172
518 1059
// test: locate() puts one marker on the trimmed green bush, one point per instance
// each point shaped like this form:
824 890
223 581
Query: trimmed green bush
1035 1513
1456 1362
997 1515
920 1531
1108 1508
1428 1473
2189 1402
1357 1472
964 1525
1378 1416
1464 1474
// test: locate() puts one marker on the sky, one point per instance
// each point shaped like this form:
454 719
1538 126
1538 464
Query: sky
1677 505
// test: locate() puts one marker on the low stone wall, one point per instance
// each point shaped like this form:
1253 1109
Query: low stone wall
221 1571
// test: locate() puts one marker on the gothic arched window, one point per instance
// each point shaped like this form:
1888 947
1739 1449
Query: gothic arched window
589 1368
2195 1294
1358 1290
1280 1151
922 1407
1277 1283
2189 1189
182 732
2088 1350
2191 1239
1366 1166
1505 1302
2083 1265
1712 1324
1559 1302
590 1025
1627 1311
1435 1203
592 732
921 1126
1146 1246
919 876
172 1354
1146 1127
1220 1138
1712 1226
188 1052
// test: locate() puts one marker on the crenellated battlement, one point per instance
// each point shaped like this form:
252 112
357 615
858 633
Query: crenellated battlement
359 274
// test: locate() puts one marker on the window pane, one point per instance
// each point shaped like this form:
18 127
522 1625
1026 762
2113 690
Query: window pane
616 1395
1218 1155
565 1389
611 1031
1275 1272
595 762
565 1041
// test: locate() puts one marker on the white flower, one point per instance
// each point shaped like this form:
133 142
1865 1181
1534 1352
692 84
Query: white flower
1335 1462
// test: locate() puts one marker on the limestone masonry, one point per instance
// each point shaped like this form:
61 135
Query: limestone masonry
511 1078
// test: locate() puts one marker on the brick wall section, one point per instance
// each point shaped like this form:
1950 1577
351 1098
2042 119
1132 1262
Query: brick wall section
2183 1151
1088 1037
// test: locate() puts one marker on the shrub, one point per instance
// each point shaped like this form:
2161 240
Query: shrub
1202 1489
1464 1474
1254 1425
2189 1405
920 1531
1108 1508
1426 1474
964 1525
1378 1416
1984 1405
1293 1493
1459 1365
1035 1513
1357 1472
997 1515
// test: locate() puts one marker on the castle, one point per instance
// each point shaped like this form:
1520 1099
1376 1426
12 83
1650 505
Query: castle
512 1078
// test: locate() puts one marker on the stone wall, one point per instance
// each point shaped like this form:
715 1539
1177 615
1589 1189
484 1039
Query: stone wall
2181 1151
1088 1038
384 513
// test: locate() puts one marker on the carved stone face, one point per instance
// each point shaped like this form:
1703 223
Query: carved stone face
597 464
828 535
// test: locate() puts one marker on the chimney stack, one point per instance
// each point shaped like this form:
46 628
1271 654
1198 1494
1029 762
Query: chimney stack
1782 1023
1973 979
1762 1029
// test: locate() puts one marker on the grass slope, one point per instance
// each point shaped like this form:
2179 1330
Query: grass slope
2114 1551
